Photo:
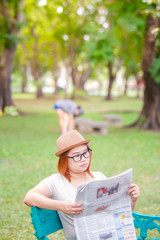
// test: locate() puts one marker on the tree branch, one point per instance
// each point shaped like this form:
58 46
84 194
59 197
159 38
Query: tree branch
4 9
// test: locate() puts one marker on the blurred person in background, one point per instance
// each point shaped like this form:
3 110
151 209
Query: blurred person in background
67 110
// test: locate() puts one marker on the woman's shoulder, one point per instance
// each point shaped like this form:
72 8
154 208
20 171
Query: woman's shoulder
54 177
54 182
98 175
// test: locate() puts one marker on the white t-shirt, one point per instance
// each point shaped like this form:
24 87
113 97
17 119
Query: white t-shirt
61 189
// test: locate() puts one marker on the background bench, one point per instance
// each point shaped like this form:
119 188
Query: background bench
113 120
86 125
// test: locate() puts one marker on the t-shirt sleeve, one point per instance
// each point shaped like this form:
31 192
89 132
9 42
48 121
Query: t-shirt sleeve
99 175
49 182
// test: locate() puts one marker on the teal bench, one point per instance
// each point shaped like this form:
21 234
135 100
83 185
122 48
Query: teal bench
146 222
47 221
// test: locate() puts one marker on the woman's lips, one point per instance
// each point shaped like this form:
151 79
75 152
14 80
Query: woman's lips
84 165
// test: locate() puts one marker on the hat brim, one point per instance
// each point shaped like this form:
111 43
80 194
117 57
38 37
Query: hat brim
72 146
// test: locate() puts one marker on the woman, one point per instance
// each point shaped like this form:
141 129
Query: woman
58 191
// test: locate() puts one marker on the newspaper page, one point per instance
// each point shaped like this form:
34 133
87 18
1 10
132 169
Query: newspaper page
107 210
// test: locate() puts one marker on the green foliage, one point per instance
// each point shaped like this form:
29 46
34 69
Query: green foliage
130 32
10 40
121 40
9 23
101 48
11 111
93 33
155 69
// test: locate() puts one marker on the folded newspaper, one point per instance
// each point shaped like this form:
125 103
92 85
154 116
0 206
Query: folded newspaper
107 210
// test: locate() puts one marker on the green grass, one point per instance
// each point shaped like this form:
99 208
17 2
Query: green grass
28 144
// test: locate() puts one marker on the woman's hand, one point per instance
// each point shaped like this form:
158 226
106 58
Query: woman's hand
71 208
134 192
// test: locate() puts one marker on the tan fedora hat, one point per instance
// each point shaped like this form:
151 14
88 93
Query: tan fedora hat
70 140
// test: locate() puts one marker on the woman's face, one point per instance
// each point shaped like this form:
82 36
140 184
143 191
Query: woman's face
77 162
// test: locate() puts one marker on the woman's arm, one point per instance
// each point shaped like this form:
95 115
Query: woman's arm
134 192
40 195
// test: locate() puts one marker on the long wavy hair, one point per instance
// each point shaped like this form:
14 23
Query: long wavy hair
63 165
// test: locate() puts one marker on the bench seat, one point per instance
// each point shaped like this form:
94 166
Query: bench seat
47 221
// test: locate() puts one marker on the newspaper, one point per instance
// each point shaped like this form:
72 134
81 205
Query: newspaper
107 210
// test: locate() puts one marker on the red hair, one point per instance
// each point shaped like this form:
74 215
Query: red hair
63 165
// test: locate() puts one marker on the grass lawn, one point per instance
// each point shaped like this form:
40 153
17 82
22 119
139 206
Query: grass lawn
28 144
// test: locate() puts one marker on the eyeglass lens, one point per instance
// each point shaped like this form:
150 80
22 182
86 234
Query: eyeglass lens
78 157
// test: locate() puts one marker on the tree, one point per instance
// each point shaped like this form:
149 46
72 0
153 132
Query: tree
10 23
129 23
101 51
150 115
62 37
33 43
110 31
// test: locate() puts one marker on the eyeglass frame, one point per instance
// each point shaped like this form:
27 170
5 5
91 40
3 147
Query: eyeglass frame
81 154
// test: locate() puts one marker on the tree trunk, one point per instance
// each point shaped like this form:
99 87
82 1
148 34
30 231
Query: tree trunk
126 85
111 80
150 115
138 81
73 76
33 63
6 64
84 77
55 69
35 69
26 66
24 79
9 48
73 70
36 75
